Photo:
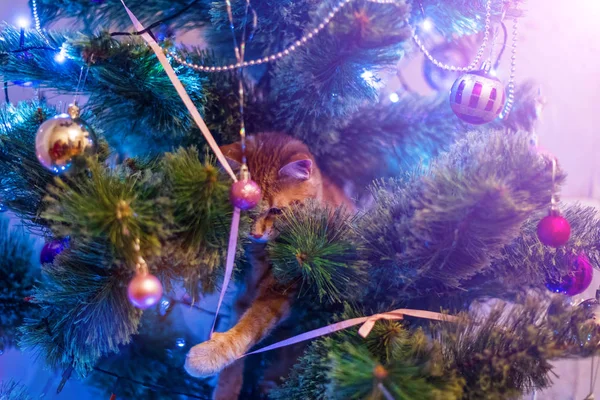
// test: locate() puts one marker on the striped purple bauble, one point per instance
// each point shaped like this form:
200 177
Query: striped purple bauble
477 98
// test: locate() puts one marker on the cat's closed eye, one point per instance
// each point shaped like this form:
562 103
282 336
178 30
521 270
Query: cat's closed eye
275 211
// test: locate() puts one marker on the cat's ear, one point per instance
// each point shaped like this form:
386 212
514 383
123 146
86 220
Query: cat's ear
300 170
233 153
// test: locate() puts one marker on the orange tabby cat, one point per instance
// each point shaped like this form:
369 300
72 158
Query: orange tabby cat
287 174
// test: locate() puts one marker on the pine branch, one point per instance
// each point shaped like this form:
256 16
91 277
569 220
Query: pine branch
85 310
321 83
150 366
508 353
115 205
437 229
17 276
394 137
11 390
130 96
111 13
454 17
526 263
317 251
24 179
202 214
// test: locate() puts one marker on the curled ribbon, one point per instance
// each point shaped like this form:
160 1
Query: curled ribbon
235 222
367 325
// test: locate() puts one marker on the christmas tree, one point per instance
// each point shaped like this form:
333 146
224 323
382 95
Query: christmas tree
133 195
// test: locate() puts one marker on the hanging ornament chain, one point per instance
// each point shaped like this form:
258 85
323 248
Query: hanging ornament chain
83 75
476 61
245 193
510 98
273 57
240 52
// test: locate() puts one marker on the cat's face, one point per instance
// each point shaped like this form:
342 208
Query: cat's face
286 173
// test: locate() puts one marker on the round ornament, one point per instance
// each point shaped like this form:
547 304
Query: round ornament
577 280
592 308
52 249
62 138
554 230
477 98
245 194
144 291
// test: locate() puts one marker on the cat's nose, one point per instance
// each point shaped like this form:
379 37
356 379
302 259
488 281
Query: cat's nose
256 235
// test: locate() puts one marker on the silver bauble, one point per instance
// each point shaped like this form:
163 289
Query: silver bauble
477 98
63 138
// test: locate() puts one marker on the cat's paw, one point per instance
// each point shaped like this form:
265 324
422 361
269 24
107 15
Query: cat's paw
210 357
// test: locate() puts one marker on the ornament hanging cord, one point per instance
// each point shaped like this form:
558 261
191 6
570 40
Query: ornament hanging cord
81 86
235 221
244 173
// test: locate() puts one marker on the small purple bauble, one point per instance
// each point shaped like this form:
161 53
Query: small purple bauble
52 249
554 230
577 280
245 194
144 290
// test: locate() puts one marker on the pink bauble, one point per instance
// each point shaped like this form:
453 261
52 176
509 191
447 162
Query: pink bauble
577 280
144 290
245 194
554 230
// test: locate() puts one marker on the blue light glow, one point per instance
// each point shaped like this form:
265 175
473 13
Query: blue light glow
394 98
23 22
367 75
370 78
427 25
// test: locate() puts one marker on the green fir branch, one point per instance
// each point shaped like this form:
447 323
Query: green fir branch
17 277
317 250
85 310
117 205
434 230
321 84
508 352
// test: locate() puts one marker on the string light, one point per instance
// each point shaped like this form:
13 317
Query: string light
36 17
427 25
394 98
62 54
23 22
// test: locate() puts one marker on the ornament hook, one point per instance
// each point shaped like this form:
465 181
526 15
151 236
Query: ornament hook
553 202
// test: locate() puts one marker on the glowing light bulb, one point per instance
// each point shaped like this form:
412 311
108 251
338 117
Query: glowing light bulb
23 22
427 25
367 75
370 78
394 98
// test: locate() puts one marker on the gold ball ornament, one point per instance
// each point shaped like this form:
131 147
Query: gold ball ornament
62 138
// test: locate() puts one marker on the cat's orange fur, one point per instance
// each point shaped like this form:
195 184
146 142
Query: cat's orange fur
287 174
